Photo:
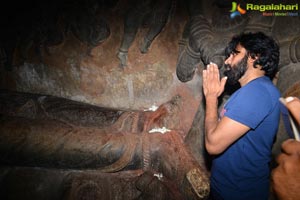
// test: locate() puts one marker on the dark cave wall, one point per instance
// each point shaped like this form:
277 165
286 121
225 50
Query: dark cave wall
66 52
74 50
79 66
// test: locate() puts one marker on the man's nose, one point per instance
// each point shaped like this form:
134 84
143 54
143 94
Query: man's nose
228 60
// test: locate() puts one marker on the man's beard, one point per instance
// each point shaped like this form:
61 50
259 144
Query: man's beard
234 73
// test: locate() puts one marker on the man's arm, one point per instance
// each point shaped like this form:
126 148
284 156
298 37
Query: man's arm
218 134
286 177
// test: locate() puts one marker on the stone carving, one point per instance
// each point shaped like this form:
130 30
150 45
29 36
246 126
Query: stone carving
49 132
40 28
149 12
60 149
43 25
84 20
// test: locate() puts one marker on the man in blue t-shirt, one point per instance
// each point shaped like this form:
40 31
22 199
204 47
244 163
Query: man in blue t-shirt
241 137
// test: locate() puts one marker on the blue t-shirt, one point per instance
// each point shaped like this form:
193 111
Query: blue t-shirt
242 170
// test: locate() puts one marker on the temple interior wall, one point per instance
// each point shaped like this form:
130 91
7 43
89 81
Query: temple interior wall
123 56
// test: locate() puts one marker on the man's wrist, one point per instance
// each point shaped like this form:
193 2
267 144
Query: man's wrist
211 98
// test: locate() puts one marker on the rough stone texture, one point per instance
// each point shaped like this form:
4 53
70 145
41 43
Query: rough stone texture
41 131
66 70
69 50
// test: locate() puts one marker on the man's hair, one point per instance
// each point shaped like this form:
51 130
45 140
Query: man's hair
260 46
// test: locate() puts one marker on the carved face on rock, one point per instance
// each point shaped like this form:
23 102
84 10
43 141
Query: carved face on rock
236 65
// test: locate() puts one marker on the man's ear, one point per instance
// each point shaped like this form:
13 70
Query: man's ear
252 58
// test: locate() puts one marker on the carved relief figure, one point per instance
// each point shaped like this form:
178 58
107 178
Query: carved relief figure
152 13
57 133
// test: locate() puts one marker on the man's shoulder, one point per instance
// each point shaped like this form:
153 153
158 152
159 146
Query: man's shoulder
261 86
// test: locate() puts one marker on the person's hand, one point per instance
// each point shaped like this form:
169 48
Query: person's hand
212 85
286 176
293 105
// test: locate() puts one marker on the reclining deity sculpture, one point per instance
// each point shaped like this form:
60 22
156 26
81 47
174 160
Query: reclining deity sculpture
54 133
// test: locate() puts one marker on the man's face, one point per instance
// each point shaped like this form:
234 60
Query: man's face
236 65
